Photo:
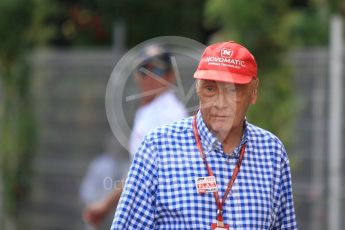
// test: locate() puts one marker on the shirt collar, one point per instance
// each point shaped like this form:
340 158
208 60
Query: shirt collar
209 140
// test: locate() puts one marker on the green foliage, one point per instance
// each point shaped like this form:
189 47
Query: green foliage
91 22
17 136
21 26
336 6
42 29
15 18
148 19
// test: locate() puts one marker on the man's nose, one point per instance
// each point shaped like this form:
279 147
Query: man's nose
224 101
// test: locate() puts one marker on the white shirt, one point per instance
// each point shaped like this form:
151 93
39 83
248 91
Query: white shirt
164 109
103 174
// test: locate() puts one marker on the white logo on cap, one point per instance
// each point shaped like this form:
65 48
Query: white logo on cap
226 53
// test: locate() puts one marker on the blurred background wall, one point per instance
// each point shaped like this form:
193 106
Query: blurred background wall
57 56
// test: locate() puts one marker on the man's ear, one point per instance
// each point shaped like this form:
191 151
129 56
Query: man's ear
254 91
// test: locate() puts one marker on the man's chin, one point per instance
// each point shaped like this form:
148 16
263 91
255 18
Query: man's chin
222 123
221 130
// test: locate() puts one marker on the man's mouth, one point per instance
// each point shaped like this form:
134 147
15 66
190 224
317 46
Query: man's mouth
221 116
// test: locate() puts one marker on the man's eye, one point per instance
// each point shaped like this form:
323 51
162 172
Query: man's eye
209 88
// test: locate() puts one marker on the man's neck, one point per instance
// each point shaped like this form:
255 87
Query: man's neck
232 139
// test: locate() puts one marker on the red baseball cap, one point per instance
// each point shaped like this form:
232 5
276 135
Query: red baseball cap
227 62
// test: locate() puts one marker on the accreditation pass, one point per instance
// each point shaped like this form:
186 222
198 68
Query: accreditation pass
206 184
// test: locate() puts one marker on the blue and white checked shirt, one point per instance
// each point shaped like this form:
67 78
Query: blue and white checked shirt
160 191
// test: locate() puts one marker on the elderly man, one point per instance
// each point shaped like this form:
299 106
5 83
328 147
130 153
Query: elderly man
213 170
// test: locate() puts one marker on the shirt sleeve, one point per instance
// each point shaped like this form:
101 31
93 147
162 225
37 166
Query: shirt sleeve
136 209
285 216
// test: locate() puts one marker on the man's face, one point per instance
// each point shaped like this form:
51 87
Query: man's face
224 105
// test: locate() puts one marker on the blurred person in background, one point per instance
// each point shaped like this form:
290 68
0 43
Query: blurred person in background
213 170
159 105
104 172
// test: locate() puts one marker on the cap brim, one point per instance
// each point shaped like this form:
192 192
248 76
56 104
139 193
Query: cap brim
216 75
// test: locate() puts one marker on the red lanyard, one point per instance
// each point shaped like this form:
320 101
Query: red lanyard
210 173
